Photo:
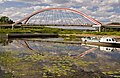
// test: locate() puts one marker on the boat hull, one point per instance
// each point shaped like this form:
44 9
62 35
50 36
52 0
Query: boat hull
104 44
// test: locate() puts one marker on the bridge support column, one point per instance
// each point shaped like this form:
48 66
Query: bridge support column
12 26
99 29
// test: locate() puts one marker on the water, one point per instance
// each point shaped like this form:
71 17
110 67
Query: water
73 27
35 59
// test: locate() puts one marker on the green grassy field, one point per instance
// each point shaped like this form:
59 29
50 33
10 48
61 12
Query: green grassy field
54 30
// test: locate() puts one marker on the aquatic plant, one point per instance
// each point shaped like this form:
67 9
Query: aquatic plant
45 65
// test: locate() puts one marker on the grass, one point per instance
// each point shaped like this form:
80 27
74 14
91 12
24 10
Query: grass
54 30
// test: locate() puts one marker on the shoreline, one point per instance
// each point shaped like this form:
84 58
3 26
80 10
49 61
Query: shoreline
91 35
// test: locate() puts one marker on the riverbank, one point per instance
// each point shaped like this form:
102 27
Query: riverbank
91 35
61 32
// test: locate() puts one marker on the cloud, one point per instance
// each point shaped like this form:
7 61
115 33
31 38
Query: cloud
40 1
102 10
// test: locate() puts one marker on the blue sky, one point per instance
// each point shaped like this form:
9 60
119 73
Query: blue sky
104 11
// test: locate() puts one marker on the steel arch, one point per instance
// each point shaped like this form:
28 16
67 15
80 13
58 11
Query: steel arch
68 9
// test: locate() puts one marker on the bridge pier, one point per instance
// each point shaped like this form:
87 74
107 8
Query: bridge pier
12 26
99 29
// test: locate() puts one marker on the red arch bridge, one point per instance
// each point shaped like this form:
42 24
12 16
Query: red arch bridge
58 17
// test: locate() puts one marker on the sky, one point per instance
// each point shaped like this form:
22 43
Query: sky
105 11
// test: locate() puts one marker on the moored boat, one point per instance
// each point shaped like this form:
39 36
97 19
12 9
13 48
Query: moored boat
104 41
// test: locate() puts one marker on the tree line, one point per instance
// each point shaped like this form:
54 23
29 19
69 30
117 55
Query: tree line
5 20
114 23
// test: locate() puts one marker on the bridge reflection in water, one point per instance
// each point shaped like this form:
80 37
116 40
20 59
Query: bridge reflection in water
37 52
36 45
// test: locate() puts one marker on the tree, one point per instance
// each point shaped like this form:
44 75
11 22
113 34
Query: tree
114 23
5 20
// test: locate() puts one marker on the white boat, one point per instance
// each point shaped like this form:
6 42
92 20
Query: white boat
104 41
107 40
107 49
90 39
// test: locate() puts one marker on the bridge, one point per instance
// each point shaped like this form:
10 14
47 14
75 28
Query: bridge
60 17
57 17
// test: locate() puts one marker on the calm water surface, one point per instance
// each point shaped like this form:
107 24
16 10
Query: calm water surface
35 59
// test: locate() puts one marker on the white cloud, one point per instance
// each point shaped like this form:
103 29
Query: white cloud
40 1
115 18
1 1
105 9
4 0
111 1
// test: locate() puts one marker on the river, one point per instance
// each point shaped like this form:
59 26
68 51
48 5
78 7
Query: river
74 27
22 58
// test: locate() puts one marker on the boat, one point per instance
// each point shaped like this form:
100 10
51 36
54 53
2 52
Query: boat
102 48
107 49
104 41
89 39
